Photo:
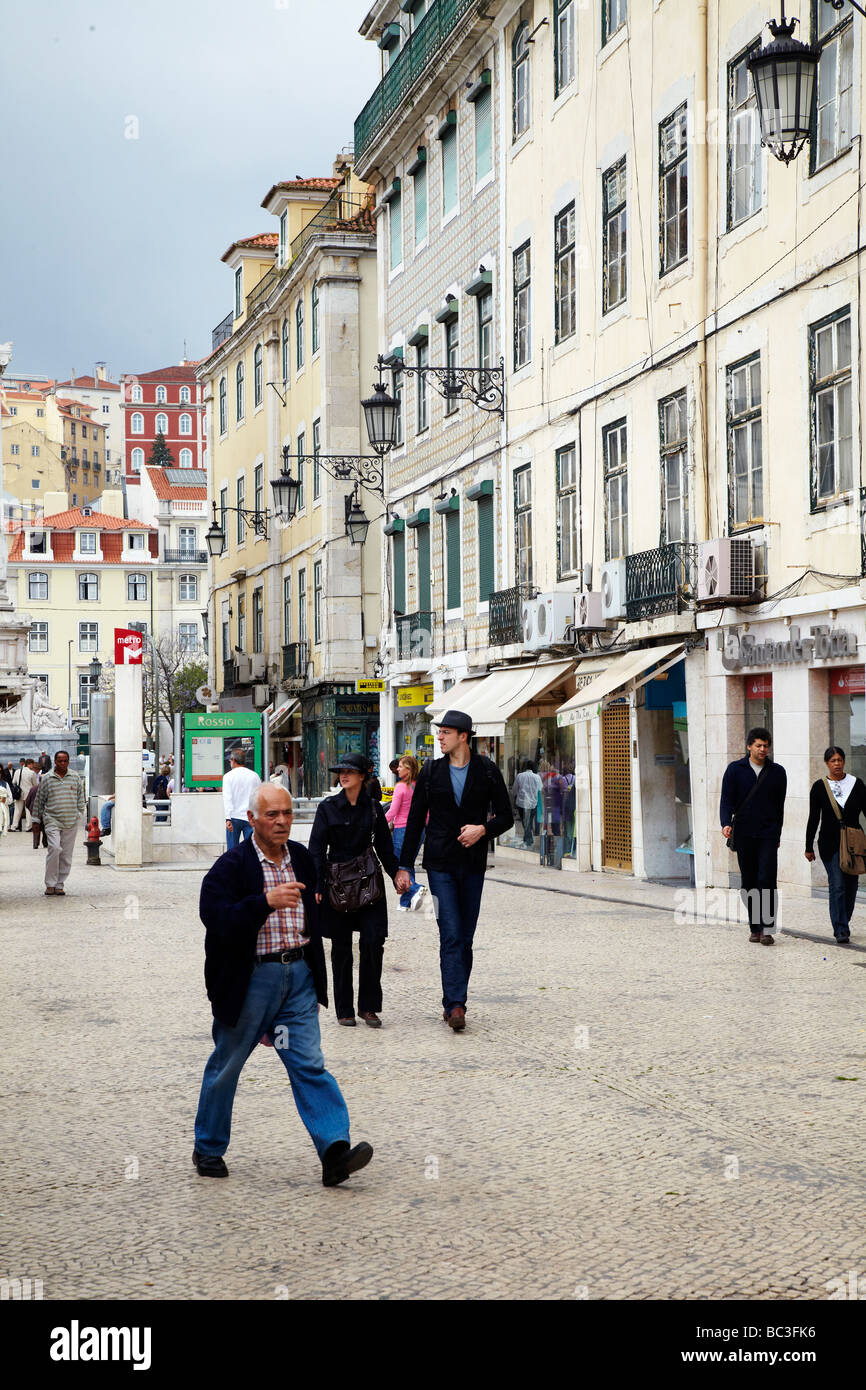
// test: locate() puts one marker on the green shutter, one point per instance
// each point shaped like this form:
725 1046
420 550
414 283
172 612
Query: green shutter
398 542
449 172
486 548
423 533
453 559
396 231
483 135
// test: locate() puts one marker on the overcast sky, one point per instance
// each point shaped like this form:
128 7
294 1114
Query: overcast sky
109 246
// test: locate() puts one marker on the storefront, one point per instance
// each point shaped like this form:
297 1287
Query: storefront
336 719
285 735
413 727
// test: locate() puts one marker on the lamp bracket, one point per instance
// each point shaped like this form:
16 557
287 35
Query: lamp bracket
484 386
368 471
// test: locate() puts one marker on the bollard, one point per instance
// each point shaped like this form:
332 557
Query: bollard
92 842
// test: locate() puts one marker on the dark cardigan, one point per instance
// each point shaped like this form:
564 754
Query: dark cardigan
820 809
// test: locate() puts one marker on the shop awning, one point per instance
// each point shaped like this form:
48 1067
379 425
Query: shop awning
499 695
279 720
456 697
622 671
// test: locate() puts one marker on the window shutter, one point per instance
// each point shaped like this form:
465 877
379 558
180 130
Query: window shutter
453 558
423 534
483 135
486 550
398 541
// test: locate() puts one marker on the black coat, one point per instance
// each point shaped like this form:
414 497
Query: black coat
762 818
340 832
233 908
434 797
820 809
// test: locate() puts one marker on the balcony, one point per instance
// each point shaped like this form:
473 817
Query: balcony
184 557
664 580
263 288
341 209
295 658
505 620
413 61
414 635
79 711
863 532
222 332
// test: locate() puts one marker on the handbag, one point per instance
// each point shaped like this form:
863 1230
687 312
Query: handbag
740 809
852 841
358 883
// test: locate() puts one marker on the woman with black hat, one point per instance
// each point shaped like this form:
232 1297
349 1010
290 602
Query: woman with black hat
347 826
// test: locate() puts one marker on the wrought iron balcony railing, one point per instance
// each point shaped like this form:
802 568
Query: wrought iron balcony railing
414 635
264 287
505 615
340 208
660 581
863 532
295 657
414 59
222 331
184 557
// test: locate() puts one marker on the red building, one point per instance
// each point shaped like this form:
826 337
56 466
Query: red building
168 402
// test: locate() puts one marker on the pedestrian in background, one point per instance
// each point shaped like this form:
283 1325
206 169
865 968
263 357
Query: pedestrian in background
525 792
27 781
238 786
57 808
836 800
397 815
752 810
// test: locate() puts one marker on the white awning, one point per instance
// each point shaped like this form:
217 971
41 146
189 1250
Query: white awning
497 696
280 717
456 697
621 671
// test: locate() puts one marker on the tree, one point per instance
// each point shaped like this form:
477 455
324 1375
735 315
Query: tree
160 455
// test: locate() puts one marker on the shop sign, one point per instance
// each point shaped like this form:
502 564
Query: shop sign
851 680
362 706
369 687
414 696
741 650
759 687
428 739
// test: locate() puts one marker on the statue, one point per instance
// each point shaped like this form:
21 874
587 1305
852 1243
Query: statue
45 715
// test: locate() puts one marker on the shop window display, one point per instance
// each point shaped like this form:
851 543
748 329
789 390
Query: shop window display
536 747
758 705
848 716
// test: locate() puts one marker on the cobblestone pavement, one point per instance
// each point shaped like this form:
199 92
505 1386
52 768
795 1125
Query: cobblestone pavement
637 1109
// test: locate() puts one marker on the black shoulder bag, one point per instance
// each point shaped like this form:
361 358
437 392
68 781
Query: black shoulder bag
359 882
740 809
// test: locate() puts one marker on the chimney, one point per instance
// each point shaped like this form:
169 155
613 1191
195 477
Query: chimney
111 502
100 372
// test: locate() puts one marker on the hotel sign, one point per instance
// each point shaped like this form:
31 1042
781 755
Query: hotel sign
742 650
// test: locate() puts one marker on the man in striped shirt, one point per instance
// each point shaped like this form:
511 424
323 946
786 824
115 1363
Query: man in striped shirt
58 807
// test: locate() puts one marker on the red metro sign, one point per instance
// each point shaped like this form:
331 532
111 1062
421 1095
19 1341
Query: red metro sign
128 647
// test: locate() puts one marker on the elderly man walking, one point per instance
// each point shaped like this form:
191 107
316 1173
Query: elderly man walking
57 808
238 786
265 977
28 778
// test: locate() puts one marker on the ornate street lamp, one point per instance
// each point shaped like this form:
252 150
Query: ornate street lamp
382 414
357 523
286 490
215 539
784 74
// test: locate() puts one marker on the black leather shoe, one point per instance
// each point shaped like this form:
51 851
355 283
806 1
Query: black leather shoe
339 1162
209 1165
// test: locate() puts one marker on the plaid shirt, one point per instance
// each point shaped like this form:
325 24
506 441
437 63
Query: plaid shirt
284 929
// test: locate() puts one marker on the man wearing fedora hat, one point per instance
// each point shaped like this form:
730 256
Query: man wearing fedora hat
453 798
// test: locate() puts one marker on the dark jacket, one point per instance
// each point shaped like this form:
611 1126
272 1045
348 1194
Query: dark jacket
820 809
434 796
233 908
762 818
340 832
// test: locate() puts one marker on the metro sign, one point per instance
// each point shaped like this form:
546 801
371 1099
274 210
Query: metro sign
128 647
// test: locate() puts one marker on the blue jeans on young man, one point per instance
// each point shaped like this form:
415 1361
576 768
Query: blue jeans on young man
241 830
281 1004
843 895
458 902
527 815
399 834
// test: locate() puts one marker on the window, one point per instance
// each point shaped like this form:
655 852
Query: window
88 588
186 424
314 319
34 451
483 134
395 232
302 469
302 605
38 543
37 584
84 457
744 141
137 424
136 588
161 395
615 241
258 380
299 335
484 311
674 190
38 639
86 684
259 489
106 409
317 601
745 464
522 306
188 637
184 395
35 482
613 16
224 511
16 448
239 298
137 460
423 534
186 458
226 629
397 388
242 621
87 542
187 538
284 235
398 558
520 82
422 355
317 472
420 199
13 410
834 35
486 547
240 498
258 621
189 586
136 395
452 356
523 524
614 440
88 637
563 44
285 350
287 609
453 560
830 390
162 424
674 469
564 276
223 410
40 412
567 513
135 540
239 391
448 146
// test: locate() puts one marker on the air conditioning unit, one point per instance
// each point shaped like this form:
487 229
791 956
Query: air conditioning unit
258 665
587 611
260 696
554 619
726 568
243 669
613 588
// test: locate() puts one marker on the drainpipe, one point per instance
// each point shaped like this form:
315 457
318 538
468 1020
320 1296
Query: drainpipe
701 251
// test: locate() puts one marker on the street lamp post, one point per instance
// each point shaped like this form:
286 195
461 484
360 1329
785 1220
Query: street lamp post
784 74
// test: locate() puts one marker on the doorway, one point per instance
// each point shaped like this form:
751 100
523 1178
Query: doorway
616 786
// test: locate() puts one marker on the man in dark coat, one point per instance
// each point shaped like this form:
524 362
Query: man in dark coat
752 808
265 977
457 792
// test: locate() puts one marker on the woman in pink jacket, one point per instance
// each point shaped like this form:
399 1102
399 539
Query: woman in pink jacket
397 815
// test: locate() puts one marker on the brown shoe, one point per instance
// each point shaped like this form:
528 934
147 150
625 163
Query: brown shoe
457 1018
767 940
372 1020
49 892
60 892
347 1022
755 936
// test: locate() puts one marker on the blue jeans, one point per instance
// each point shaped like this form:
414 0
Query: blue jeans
527 815
399 834
105 817
457 898
843 895
241 830
281 1002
